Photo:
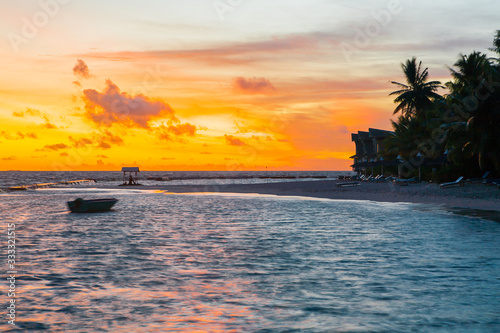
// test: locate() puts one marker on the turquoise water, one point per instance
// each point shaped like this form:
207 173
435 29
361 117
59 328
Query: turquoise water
249 263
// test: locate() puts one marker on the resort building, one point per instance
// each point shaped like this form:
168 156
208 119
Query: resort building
368 146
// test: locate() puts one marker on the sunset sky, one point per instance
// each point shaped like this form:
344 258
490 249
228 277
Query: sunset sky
214 84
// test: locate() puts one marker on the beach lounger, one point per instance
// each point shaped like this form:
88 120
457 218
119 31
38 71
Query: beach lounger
491 181
406 182
478 180
348 184
375 179
458 182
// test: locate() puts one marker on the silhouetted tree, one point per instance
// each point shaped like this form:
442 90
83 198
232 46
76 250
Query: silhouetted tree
475 97
418 93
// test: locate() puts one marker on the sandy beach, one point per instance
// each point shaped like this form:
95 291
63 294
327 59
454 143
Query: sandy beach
469 196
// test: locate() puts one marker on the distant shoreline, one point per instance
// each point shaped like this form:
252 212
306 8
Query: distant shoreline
473 196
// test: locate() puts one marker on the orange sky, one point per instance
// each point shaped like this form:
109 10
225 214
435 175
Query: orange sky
170 86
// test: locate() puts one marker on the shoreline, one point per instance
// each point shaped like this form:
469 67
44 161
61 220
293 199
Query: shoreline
471 196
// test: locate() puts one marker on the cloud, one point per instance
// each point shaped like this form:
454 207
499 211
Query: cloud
18 135
63 154
246 53
234 141
7 135
10 158
343 129
28 112
253 85
48 125
80 143
104 145
260 138
110 137
81 70
106 138
114 107
103 140
102 156
182 129
54 147
35 113
165 132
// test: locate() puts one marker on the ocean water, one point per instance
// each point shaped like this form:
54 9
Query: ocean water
20 178
216 262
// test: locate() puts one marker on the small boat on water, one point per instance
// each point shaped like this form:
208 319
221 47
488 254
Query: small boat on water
91 206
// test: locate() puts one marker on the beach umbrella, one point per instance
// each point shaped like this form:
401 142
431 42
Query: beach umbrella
400 159
419 155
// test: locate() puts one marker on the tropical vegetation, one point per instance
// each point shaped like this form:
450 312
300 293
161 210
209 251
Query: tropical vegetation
455 126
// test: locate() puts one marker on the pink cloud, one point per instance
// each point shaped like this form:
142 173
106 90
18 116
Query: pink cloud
81 70
253 85
230 54
114 107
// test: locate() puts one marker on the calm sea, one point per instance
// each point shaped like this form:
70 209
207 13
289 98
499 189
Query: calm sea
247 263
20 178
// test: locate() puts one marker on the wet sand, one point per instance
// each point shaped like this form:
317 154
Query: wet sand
469 196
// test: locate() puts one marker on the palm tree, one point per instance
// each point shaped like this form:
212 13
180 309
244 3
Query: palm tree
483 122
417 95
405 138
496 43
471 71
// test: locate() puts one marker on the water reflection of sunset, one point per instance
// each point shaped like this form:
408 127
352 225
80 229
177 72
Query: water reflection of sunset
203 306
